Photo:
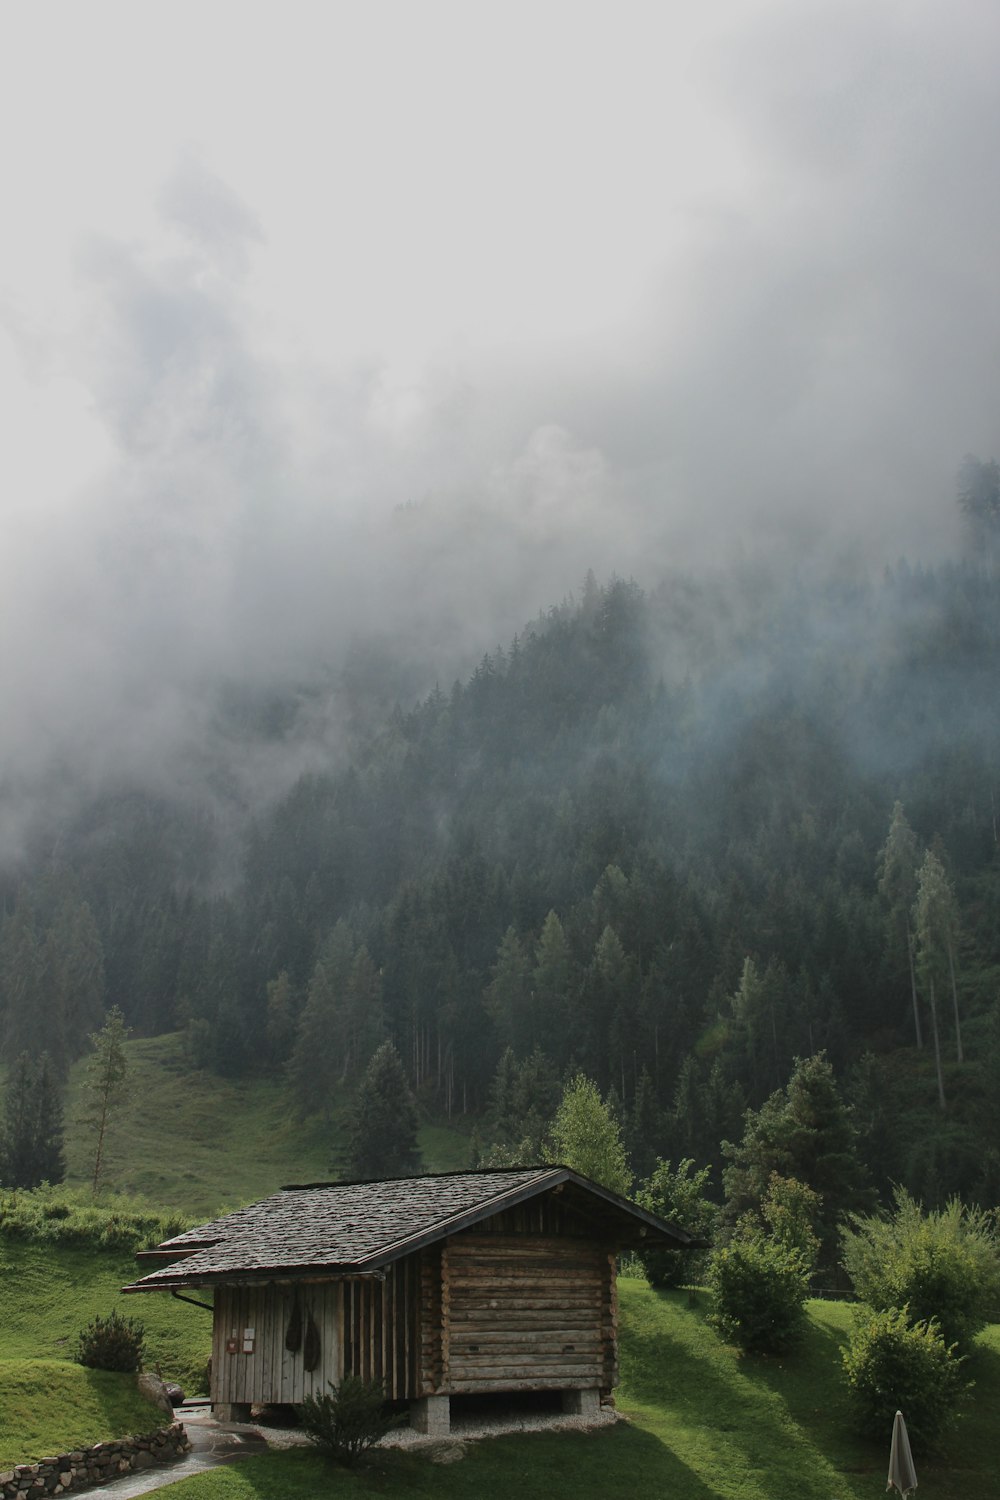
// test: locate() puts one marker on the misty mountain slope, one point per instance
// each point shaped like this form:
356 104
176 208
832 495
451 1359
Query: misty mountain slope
578 850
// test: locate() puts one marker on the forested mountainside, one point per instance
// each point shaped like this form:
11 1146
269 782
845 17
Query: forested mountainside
674 839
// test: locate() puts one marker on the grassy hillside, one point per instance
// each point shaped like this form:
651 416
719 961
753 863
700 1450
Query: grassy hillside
202 1143
49 1293
704 1424
49 1406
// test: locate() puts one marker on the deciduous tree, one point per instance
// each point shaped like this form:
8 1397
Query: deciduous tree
588 1138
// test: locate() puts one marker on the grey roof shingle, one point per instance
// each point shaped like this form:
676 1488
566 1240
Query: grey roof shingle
356 1225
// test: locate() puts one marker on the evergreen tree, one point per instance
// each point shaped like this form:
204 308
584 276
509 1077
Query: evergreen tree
31 1149
644 1127
501 1122
609 994
34 1020
320 1054
361 1022
979 501
552 987
507 998
106 1086
536 1098
50 1160
281 1017
897 884
935 916
523 1099
382 1128
803 1131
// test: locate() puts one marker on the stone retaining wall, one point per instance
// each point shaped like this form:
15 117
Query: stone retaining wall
84 1466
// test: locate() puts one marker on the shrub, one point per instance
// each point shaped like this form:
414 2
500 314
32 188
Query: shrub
112 1343
943 1265
678 1196
759 1288
70 1217
895 1365
791 1211
349 1419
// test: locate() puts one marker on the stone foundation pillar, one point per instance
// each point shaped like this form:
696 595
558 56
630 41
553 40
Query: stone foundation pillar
231 1411
582 1403
431 1415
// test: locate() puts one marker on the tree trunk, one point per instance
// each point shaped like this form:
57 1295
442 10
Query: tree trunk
937 1047
954 1001
913 988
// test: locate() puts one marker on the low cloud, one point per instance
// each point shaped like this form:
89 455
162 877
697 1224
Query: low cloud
804 356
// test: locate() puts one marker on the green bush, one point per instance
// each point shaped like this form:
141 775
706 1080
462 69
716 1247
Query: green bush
943 1265
349 1419
791 1211
678 1196
895 1365
112 1343
67 1216
759 1288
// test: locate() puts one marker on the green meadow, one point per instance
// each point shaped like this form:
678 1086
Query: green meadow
205 1144
703 1423
702 1420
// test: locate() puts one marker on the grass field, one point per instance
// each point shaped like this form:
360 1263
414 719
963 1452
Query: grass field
203 1144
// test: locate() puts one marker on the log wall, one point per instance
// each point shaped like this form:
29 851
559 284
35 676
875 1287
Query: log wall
527 1312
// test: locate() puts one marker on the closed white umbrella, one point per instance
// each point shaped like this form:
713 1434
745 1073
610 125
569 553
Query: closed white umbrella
902 1474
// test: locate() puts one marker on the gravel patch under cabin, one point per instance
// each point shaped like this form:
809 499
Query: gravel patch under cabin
464 1429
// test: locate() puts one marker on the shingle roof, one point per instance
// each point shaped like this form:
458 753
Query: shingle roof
355 1226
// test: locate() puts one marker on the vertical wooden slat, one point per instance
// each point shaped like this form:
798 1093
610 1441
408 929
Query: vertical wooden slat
341 1295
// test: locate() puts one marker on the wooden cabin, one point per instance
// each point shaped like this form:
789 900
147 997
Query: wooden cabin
466 1282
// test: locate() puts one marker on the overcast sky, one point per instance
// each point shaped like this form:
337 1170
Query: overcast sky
579 285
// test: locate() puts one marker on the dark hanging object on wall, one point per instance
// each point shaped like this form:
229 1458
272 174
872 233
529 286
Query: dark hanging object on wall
311 1350
293 1335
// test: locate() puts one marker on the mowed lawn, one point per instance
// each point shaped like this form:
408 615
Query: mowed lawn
703 1422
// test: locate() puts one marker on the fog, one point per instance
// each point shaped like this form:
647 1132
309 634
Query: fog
355 336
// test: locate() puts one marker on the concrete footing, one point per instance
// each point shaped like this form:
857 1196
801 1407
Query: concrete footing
431 1415
231 1411
582 1403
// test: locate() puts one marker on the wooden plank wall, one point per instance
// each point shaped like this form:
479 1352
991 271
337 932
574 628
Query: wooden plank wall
526 1312
382 1328
367 1327
272 1373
